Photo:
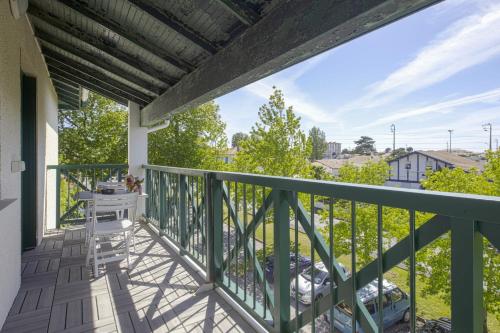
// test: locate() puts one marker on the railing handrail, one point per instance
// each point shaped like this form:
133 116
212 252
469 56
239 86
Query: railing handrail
177 170
468 206
85 166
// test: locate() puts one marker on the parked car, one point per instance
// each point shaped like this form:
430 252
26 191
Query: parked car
300 264
321 283
396 305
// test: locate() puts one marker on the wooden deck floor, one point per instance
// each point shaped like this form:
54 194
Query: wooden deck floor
60 294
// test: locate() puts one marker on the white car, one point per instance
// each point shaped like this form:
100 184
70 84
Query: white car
321 283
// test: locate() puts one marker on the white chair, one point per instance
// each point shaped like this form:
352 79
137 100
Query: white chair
103 232
118 187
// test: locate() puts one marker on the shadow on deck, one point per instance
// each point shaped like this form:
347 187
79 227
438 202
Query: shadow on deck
59 293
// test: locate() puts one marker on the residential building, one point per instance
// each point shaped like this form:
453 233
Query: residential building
332 166
408 170
333 150
229 155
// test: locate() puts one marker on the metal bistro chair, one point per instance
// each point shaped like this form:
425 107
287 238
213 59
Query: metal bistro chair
119 187
103 232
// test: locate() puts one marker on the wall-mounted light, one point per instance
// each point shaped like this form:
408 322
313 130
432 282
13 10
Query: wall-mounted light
85 95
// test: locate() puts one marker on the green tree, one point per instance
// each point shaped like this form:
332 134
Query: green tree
318 143
96 133
237 139
398 153
372 173
436 272
277 145
193 139
365 146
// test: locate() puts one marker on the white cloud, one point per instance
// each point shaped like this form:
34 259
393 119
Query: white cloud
466 43
490 96
302 103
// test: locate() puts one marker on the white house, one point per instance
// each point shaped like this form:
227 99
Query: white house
407 171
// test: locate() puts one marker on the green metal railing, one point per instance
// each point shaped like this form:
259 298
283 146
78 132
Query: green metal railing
73 178
231 223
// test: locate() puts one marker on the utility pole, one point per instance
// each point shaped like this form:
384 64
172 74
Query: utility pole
451 131
497 142
393 131
487 127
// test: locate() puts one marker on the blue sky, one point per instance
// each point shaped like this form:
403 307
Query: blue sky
436 70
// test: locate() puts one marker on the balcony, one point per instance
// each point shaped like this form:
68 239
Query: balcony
205 237
157 293
201 247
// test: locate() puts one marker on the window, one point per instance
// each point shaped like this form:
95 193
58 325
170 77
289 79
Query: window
396 295
386 302
370 306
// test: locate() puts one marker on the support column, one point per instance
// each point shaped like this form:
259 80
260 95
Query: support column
137 148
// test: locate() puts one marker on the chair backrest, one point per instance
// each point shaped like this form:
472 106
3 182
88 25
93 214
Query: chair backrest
104 203
113 185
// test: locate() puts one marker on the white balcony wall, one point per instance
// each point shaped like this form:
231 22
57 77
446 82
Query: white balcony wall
19 53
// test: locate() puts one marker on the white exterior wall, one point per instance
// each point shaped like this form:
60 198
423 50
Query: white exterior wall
19 53
410 177
137 141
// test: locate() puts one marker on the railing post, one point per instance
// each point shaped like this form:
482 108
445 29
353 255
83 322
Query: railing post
183 211
215 254
209 232
163 221
148 191
282 261
467 313
58 198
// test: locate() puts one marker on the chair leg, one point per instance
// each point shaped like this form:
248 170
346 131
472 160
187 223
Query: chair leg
127 244
133 239
89 249
96 261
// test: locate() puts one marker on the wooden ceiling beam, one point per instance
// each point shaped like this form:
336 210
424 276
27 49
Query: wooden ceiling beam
129 34
95 75
96 60
68 97
176 25
293 32
60 75
64 89
58 23
242 11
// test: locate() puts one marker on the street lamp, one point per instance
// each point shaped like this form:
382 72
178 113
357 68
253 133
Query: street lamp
393 131
486 128
451 131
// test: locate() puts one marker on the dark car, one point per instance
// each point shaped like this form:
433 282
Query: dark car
441 325
301 264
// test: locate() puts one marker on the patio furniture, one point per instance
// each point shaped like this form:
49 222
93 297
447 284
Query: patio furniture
103 232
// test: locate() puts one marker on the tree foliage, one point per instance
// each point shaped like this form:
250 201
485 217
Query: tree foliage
365 146
96 133
318 143
277 145
193 139
371 173
397 153
436 272
237 139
